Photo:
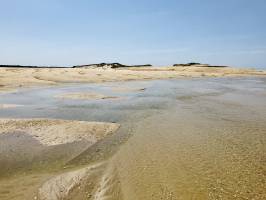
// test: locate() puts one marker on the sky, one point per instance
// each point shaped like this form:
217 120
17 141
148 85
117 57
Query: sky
158 32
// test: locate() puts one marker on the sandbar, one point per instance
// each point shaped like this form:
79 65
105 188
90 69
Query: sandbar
54 131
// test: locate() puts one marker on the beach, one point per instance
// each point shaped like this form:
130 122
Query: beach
13 78
134 133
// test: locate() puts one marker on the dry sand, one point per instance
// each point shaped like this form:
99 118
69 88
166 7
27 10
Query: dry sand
12 78
5 106
54 132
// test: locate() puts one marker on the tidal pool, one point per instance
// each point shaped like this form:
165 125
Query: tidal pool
202 138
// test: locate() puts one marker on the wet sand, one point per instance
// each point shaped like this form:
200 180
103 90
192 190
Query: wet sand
179 139
85 96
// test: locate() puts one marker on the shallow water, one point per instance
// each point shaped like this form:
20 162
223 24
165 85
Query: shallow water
180 139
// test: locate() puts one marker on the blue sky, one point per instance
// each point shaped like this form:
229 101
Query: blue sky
160 32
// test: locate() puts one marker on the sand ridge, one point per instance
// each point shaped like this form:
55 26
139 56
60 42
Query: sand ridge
54 132
59 187
86 96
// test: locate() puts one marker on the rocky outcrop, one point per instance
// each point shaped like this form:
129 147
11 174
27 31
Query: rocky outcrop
109 65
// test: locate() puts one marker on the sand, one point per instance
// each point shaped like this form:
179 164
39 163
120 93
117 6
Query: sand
5 106
127 89
54 132
175 151
61 185
85 96
13 78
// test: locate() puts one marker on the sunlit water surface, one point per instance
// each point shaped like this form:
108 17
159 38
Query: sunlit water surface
179 139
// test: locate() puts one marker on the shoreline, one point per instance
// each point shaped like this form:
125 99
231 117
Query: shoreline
14 78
